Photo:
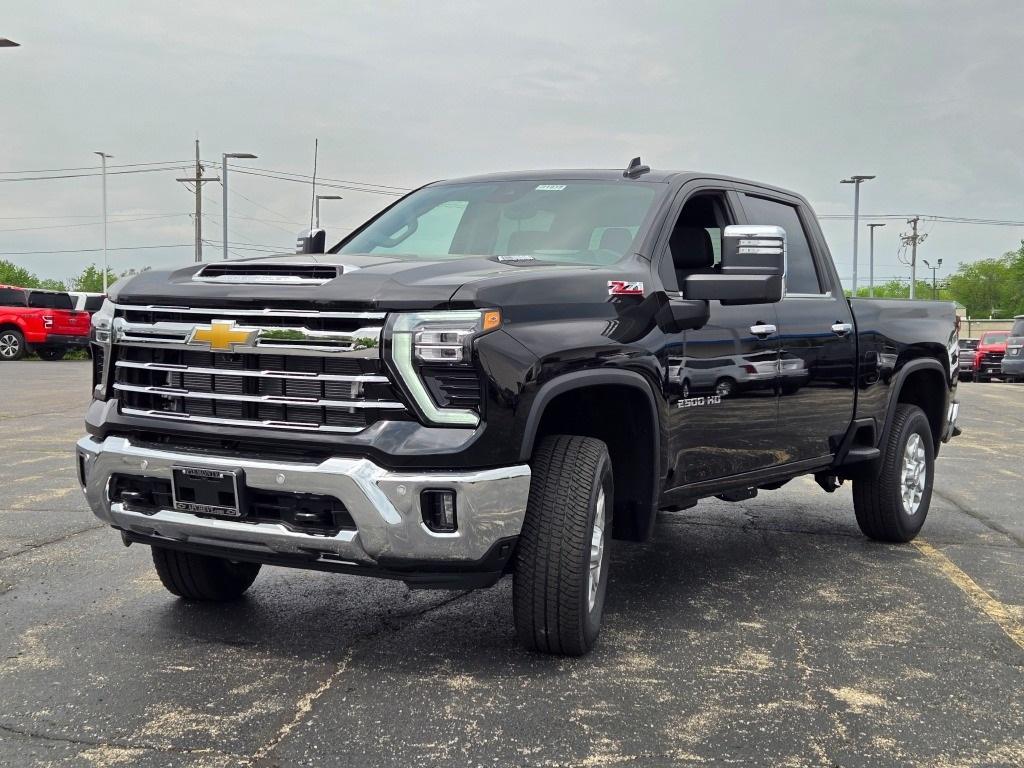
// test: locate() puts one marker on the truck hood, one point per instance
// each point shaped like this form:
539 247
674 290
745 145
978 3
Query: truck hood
370 282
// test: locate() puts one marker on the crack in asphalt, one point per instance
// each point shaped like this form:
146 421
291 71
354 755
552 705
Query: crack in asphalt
988 522
304 706
32 547
113 743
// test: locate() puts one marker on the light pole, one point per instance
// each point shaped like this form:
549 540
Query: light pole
871 263
323 197
935 290
856 181
224 187
103 159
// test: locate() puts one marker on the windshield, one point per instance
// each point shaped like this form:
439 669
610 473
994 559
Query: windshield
1018 327
994 338
572 221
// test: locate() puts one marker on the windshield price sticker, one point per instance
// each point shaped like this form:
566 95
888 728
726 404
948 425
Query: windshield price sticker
549 187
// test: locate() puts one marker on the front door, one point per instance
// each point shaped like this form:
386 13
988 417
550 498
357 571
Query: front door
723 380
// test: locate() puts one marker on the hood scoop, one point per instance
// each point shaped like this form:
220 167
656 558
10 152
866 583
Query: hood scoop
267 274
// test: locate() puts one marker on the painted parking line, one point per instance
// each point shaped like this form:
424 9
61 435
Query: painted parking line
994 609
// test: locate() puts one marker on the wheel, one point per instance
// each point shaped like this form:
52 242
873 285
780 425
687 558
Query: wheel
51 353
980 377
686 389
725 387
560 573
892 504
199 577
12 344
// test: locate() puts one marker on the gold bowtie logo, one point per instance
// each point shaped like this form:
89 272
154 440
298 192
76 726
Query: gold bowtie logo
222 335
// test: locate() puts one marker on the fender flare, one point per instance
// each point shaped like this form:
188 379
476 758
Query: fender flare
602 377
912 366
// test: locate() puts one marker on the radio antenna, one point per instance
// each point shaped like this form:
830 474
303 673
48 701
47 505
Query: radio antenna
312 204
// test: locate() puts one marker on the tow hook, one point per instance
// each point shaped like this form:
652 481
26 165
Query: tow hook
828 481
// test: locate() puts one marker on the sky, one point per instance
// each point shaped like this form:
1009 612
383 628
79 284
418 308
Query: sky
928 96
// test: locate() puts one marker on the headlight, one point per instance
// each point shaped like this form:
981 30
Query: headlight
100 335
438 338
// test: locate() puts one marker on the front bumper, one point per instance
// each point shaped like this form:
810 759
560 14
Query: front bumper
389 532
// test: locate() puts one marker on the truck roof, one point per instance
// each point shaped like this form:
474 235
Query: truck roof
654 176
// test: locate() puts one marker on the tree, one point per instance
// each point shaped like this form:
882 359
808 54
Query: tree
986 288
900 289
91 279
12 274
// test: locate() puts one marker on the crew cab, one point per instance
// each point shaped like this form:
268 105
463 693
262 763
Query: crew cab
1012 366
988 357
490 377
44 322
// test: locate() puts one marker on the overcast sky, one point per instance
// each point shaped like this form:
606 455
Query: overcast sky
927 95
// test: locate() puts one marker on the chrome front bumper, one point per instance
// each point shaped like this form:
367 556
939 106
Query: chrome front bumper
385 506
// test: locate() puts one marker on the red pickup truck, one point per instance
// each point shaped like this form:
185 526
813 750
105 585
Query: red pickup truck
988 357
43 322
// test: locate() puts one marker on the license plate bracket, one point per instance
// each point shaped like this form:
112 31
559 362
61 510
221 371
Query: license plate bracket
206 491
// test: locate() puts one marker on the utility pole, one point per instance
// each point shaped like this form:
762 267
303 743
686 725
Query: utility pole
103 158
199 180
913 240
871 264
856 181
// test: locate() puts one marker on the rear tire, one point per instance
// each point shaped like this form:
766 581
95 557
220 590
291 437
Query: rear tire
199 577
562 561
892 505
12 344
51 353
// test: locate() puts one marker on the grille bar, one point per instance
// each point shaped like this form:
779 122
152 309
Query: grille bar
279 338
267 399
296 375
228 313
296 425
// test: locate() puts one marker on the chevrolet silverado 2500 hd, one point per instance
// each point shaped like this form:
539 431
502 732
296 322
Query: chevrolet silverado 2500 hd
502 374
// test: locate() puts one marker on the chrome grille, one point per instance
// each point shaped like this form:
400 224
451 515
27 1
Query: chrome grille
326 377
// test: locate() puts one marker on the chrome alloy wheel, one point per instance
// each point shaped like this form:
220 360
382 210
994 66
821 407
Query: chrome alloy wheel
596 550
9 346
914 474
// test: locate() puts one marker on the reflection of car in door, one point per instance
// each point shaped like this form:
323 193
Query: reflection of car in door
726 376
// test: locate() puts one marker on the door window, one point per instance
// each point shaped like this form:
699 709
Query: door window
801 272
696 240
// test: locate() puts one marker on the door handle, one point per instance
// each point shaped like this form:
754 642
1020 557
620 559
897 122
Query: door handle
763 329
842 329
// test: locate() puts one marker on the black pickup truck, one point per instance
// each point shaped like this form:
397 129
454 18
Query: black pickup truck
502 374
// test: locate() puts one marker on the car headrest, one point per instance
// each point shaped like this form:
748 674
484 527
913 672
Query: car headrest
691 248
617 240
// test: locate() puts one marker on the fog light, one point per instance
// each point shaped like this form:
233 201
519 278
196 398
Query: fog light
438 508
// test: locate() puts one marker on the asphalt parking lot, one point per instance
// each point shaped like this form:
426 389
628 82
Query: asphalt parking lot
768 632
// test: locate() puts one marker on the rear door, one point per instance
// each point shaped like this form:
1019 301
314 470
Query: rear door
817 337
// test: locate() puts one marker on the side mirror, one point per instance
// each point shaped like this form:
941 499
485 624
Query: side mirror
752 269
313 241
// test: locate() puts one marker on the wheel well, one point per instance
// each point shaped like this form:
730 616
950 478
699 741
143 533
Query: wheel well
621 416
926 389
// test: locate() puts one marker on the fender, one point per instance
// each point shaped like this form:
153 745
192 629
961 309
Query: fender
917 364
646 511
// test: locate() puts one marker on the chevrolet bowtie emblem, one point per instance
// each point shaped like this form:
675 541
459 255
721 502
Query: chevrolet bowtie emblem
222 335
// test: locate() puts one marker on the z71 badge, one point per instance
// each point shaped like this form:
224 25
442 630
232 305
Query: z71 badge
625 288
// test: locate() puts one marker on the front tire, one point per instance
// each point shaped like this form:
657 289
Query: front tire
561 566
12 344
725 387
892 505
203 578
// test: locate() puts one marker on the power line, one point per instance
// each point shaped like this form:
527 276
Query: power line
324 178
85 175
95 250
94 223
93 167
309 181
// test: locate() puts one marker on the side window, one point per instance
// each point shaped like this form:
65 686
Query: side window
696 240
12 297
801 273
